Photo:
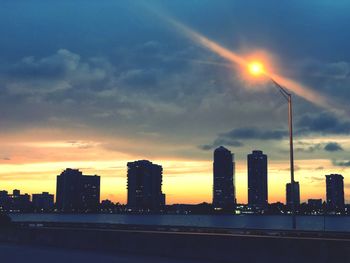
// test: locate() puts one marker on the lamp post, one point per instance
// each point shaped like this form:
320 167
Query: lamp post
256 69
288 97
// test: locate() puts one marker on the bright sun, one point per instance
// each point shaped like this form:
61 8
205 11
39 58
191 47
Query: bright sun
256 68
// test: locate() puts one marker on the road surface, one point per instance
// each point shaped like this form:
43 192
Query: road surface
24 253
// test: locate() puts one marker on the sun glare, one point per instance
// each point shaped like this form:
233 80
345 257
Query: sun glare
256 68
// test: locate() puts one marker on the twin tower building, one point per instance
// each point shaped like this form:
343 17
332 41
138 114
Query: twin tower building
224 192
145 182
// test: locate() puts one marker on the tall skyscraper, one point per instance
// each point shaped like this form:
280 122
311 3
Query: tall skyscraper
257 179
335 192
77 192
145 186
289 198
223 185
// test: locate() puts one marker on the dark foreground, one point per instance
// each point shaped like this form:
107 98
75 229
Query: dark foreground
59 242
25 253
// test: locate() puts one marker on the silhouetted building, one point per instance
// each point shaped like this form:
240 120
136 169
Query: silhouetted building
223 186
315 203
90 196
276 208
335 192
4 201
77 192
16 192
19 202
289 199
257 179
145 186
43 202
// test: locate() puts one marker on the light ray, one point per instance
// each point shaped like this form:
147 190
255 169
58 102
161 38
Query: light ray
295 87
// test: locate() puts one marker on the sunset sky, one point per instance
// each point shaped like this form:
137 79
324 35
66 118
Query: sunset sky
94 84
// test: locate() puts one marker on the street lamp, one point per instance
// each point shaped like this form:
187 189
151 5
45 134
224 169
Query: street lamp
256 69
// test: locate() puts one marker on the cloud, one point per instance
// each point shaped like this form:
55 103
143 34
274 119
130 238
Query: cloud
317 178
343 163
333 147
339 70
324 123
56 73
221 142
309 149
62 64
319 168
255 133
233 137
139 78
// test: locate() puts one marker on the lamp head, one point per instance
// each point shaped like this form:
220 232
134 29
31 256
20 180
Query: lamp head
256 68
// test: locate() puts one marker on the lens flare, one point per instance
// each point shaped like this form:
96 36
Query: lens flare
256 68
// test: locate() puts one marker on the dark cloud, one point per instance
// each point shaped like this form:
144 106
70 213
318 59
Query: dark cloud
61 71
255 133
324 123
332 79
333 147
221 142
341 163
53 67
333 70
309 149
233 137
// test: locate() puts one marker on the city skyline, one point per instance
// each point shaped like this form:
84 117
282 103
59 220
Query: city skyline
77 192
127 86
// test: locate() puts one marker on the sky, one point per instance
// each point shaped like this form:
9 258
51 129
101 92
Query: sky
94 84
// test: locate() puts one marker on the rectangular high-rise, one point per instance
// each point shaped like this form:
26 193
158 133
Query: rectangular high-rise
335 192
77 192
223 185
4 201
15 202
257 179
20 202
43 202
90 192
145 186
289 198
